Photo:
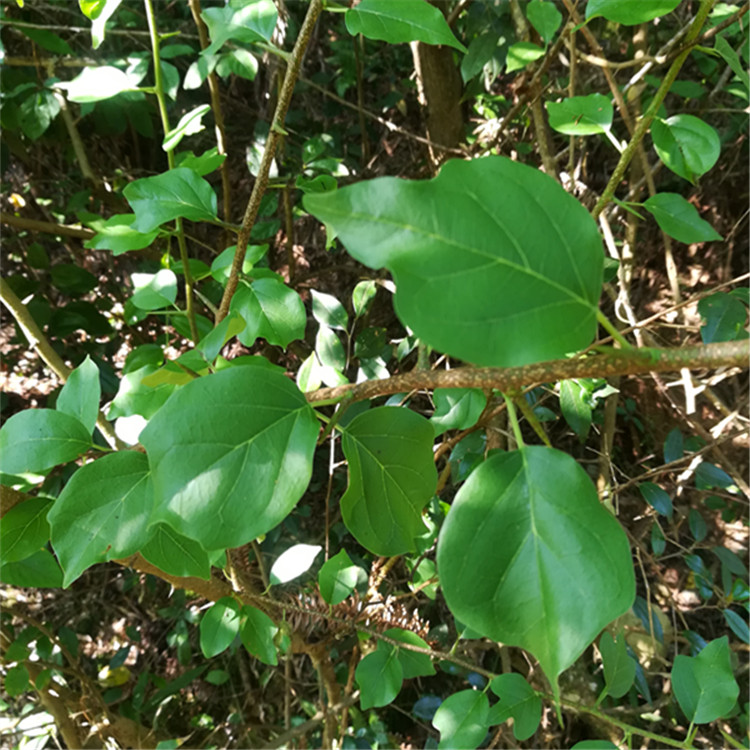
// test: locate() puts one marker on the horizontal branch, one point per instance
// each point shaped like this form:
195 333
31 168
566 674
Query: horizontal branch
47 227
601 365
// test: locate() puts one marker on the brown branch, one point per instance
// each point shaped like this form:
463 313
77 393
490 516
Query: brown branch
274 134
47 227
616 362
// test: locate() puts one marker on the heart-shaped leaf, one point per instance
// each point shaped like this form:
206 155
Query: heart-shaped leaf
498 277
686 145
219 626
529 557
231 455
257 633
462 719
391 477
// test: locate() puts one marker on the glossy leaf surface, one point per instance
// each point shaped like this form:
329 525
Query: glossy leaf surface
337 578
680 219
41 570
257 633
231 455
24 530
457 408
117 234
630 12
725 318
176 554
497 277
80 395
517 700
219 626
686 145
581 115
462 720
528 556
391 477
102 513
379 676
398 21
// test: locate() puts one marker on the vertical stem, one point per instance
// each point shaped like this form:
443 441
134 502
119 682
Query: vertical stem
159 86
274 134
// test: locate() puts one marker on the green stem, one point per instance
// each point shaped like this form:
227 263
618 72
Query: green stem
645 122
160 98
514 421
610 328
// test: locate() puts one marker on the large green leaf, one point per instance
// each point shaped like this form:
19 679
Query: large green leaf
391 477
704 685
80 395
103 512
117 234
38 439
379 676
179 192
725 318
397 21
97 84
176 554
337 578
231 455
462 719
494 262
254 22
529 557
686 145
680 219
413 664
39 571
630 12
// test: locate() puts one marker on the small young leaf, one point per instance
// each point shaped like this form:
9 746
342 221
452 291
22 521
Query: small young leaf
704 685
35 440
697 525
673 445
581 115
522 54
379 676
686 145
219 626
328 311
738 625
657 498
253 22
545 18
257 633
98 12
680 219
517 699
658 542
179 192
462 720
102 513
397 21
575 407
390 480
97 84
329 348
619 668
337 578
17 680
80 395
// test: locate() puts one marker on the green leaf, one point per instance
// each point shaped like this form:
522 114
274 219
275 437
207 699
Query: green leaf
732 59
657 498
293 562
153 291
619 668
24 530
17 680
219 626
413 664
254 22
35 440
328 311
594 745
494 262
80 395
98 12
171 79
731 560
704 685
563 570
102 513
209 161
391 477
270 310
397 21
581 115
738 625
38 571
179 192
135 397
517 699
575 407
37 112
117 234
457 408
725 318
47 40
176 554
240 62
96 84
72 279
337 578
680 219
258 632
686 145
362 295
522 54
462 720
545 18
231 455
189 124
379 676
629 12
